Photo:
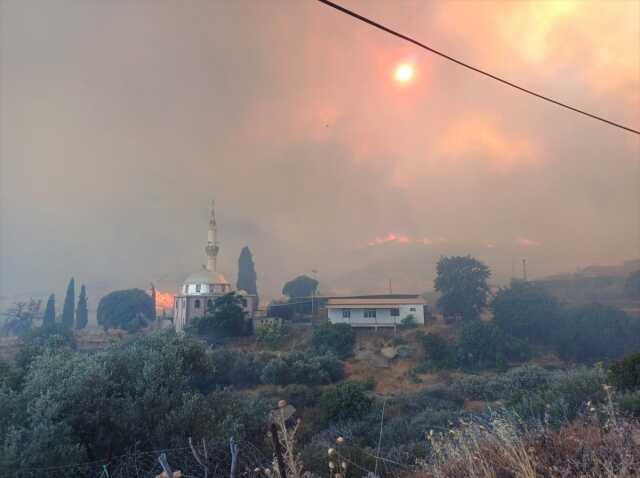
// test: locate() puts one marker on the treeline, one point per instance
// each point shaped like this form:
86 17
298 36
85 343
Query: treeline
20 318
526 320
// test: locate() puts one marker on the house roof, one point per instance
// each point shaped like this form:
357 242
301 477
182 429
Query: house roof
364 302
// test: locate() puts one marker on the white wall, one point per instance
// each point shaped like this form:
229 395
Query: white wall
383 316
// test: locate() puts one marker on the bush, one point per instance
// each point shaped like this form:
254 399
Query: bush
303 369
338 339
271 335
482 345
409 322
437 351
596 332
625 374
346 401
629 403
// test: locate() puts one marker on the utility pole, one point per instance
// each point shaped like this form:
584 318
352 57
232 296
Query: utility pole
390 288
524 269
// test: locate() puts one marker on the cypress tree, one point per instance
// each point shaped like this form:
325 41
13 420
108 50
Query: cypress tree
247 272
82 311
49 316
68 309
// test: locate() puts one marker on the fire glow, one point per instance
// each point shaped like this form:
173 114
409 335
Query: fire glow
164 300
403 239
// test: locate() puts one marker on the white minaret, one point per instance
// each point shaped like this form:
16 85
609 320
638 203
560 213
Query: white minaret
212 240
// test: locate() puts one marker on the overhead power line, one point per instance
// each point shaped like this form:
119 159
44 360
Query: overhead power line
471 67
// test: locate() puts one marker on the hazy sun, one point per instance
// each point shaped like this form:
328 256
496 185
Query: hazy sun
404 73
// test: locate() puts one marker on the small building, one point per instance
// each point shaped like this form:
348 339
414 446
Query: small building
376 310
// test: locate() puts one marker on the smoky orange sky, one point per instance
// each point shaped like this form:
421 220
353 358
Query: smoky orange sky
120 120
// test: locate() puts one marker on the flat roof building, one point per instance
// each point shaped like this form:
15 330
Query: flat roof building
376 310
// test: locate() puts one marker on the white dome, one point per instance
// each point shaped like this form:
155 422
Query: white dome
206 277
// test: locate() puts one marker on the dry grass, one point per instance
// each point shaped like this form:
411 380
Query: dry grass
600 444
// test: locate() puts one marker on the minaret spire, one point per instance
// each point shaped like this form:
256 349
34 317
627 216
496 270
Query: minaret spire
212 247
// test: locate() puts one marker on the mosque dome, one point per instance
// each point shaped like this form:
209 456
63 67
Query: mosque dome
205 277
206 282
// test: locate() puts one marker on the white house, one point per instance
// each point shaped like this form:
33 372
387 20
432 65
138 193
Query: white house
375 310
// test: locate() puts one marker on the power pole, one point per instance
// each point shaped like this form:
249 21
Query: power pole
524 269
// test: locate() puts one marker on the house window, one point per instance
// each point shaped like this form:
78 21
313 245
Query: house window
346 313
370 313
198 288
412 309
209 305
395 312
196 304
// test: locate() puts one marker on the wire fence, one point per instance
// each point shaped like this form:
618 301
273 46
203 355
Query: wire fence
191 463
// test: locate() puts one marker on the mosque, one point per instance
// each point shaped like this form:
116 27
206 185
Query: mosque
201 289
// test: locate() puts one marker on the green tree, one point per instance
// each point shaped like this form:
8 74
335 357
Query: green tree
226 319
301 286
437 351
338 339
68 309
82 311
49 316
130 310
632 285
247 272
462 282
526 310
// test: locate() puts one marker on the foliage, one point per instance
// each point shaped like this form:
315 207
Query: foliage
409 321
76 407
462 281
625 374
240 369
226 319
438 352
483 345
82 311
49 316
526 310
19 318
129 309
68 309
632 285
247 272
596 332
629 403
303 368
271 335
344 401
334 338
301 286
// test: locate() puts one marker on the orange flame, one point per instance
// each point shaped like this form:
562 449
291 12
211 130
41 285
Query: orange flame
164 300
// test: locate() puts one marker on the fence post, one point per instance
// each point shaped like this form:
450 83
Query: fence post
278 450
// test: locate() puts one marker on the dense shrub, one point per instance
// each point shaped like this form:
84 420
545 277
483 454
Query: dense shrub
625 375
438 352
271 335
303 369
238 368
482 345
338 339
596 332
345 401
629 403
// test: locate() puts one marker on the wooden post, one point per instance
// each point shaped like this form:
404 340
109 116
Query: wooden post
278 450
233 446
